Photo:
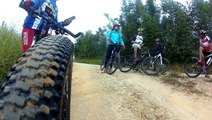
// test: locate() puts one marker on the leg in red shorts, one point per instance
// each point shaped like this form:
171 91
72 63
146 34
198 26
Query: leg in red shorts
27 38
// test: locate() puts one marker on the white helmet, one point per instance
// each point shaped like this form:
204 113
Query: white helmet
202 32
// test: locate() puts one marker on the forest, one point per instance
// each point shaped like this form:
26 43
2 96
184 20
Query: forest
175 24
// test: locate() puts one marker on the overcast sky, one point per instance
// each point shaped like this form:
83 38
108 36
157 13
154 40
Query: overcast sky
89 13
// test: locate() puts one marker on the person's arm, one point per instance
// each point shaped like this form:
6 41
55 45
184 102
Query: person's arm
161 47
37 4
108 39
133 40
122 41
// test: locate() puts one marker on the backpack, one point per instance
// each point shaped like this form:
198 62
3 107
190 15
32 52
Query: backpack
26 4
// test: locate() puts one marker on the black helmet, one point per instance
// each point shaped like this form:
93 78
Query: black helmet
202 32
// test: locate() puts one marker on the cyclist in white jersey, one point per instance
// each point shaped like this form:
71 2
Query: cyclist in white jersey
137 43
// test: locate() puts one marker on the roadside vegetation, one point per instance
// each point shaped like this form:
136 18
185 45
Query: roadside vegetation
10 49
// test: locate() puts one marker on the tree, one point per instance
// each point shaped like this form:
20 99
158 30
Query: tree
176 31
90 45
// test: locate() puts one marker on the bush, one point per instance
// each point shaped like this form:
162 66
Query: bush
10 49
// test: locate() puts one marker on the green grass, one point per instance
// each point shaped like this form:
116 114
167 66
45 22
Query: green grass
88 61
10 49
172 78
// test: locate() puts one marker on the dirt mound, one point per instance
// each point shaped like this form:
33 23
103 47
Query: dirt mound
135 96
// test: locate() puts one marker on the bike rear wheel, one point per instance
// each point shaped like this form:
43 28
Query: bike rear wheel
151 66
192 67
165 66
126 63
113 64
102 63
37 83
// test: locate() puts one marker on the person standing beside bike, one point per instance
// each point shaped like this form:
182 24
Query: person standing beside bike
137 42
204 49
113 37
32 26
157 48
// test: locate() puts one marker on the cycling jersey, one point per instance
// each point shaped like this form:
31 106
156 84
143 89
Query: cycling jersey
206 44
138 41
157 49
116 38
49 7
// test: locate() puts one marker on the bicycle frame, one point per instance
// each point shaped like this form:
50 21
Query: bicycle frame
209 61
159 56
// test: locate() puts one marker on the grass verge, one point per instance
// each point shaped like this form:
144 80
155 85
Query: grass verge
10 49
88 61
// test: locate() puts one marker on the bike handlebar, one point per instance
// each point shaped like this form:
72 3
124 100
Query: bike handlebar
61 28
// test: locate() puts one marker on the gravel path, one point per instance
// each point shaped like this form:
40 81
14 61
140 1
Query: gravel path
131 96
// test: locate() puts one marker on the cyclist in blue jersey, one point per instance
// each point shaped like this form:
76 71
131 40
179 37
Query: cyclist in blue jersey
32 26
113 37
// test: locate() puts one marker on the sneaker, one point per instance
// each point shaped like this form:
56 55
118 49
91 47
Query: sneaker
103 70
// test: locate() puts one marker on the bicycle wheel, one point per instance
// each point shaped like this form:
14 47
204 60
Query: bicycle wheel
126 63
35 86
151 66
192 67
102 63
165 66
113 64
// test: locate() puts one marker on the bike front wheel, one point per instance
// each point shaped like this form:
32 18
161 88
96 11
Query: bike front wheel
38 85
151 66
126 63
102 63
192 67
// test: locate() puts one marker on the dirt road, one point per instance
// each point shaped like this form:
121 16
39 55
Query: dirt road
132 96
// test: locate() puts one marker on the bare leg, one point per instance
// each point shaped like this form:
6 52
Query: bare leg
200 53
135 52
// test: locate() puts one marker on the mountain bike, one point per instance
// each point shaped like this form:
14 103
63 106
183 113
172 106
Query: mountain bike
154 65
38 84
193 68
128 62
113 62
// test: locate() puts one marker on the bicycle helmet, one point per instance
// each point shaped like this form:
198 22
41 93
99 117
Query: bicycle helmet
157 40
140 29
202 32
116 24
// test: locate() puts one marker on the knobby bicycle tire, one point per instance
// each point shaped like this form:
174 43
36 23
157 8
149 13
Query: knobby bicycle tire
102 63
126 63
35 86
190 70
151 69
165 66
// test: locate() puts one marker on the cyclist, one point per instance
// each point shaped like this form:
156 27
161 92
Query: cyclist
137 42
113 37
157 48
32 26
204 49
